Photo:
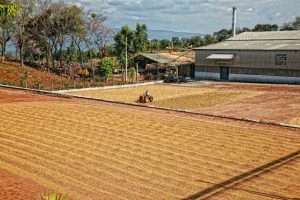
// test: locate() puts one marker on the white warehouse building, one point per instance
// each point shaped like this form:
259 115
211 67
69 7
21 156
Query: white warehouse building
252 57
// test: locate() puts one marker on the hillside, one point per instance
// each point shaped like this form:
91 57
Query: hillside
13 74
165 34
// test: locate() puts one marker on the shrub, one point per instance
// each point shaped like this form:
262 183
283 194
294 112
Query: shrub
23 79
105 67
149 77
132 73
9 56
38 85
160 76
5 82
53 196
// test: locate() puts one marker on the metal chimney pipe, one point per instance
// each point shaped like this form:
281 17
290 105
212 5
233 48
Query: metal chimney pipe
234 21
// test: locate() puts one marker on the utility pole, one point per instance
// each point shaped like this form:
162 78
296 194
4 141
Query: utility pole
126 60
137 72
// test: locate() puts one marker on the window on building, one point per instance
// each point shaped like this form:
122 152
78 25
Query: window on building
280 59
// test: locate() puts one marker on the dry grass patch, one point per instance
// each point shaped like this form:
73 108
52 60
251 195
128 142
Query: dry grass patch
131 94
208 99
173 96
295 121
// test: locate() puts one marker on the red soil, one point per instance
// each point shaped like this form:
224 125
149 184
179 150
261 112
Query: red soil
252 86
11 95
14 187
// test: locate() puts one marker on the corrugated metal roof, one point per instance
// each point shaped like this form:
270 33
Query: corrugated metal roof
268 35
173 58
157 58
254 45
221 56
270 40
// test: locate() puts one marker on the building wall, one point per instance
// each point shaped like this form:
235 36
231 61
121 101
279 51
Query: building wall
257 66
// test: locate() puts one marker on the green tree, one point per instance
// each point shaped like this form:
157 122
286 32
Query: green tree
154 45
164 43
223 34
8 9
120 44
265 27
23 17
209 39
196 41
176 42
105 67
132 73
72 53
296 23
185 42
293 25
141 38
67 22
7 16
98 32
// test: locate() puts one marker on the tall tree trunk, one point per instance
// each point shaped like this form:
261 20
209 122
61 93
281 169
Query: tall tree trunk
5 40
52 58
16 54
3 44
2 51
21 44
80 53
91 61
60 55
100 51
48 58
21 56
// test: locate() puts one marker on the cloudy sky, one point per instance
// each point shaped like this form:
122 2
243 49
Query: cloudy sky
198 16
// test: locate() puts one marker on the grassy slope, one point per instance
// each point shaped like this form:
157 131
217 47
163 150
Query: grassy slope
11 73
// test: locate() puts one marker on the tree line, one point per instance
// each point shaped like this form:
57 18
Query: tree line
219 36
58 34
52 30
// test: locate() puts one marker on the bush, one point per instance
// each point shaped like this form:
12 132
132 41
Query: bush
9 56
105 67
54 196
149 77
23 79
160 76
38 85
5 82
132 73
84 73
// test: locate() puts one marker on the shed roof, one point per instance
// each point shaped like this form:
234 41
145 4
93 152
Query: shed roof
157 57
167 58
254 45
271 40
268 35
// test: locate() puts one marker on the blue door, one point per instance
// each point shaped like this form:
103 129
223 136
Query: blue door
224 73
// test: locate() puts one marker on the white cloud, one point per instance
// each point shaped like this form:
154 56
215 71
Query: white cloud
78 4
203 16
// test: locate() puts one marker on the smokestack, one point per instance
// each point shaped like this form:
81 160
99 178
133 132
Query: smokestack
234 21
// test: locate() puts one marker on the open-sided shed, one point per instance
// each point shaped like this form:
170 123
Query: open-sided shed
161 62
